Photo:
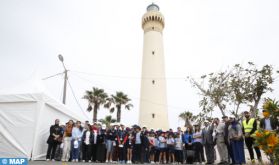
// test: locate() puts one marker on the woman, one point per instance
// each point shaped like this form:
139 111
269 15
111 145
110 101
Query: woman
76 141
197 144
236 142
67 141
109 142
86 145
53 140
187 140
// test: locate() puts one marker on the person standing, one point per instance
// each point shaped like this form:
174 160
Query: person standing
94 142
188 140
220 140
109 144
86 144
235 137
67 141
197 144
162 148
129 146
121 140
76 141
268 122
138 145
171 147
178 148
152 144
249 127
55 134
101 146
208 142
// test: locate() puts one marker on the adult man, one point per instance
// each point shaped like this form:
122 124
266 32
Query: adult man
220 140
268 122
53 140
249 126
208 142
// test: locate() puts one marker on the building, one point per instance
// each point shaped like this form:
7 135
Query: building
153 99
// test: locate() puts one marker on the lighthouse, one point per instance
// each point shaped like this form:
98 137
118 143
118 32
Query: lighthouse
153 96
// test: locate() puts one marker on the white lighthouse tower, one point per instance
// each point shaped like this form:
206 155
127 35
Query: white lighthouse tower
153 100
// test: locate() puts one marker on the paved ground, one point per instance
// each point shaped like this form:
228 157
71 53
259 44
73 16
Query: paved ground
81 163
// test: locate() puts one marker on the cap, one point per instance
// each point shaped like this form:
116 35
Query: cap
224 117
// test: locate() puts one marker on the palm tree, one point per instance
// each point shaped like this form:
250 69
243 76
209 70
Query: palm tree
116 102
96 98
107 121
187 116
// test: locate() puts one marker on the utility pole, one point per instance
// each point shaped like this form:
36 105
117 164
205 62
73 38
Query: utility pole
65 78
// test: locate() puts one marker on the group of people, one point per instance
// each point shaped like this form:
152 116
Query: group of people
119 144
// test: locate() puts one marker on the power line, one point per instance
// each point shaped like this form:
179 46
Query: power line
52 76
137 98
75 97
126 77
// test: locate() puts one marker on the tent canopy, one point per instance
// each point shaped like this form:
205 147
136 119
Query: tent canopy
26 114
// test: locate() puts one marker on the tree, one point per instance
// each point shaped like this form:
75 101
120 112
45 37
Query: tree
187 116
107 121
249 84
236 86
216 92
117 101
96 98
260 83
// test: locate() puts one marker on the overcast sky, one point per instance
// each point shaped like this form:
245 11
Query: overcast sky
102 42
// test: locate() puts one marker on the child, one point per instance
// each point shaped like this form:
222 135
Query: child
75 151
170 145
151 139
162 147
129 146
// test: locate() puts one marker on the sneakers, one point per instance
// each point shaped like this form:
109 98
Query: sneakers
106 161
53 160
47 159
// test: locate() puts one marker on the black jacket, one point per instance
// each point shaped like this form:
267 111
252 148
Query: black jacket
57 130
273 122
84 136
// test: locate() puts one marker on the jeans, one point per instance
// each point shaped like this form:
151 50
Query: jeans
75 151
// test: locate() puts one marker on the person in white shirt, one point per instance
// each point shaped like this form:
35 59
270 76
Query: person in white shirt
170 145
162 147
178 148
86 144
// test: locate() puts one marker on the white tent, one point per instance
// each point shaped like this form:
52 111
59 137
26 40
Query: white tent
26 114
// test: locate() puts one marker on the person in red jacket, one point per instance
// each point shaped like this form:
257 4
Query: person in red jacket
121 141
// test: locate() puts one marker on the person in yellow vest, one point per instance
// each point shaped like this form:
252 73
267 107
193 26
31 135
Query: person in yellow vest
249 126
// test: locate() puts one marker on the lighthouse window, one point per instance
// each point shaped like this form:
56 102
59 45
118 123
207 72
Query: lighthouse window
153 81
153 52
153 115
